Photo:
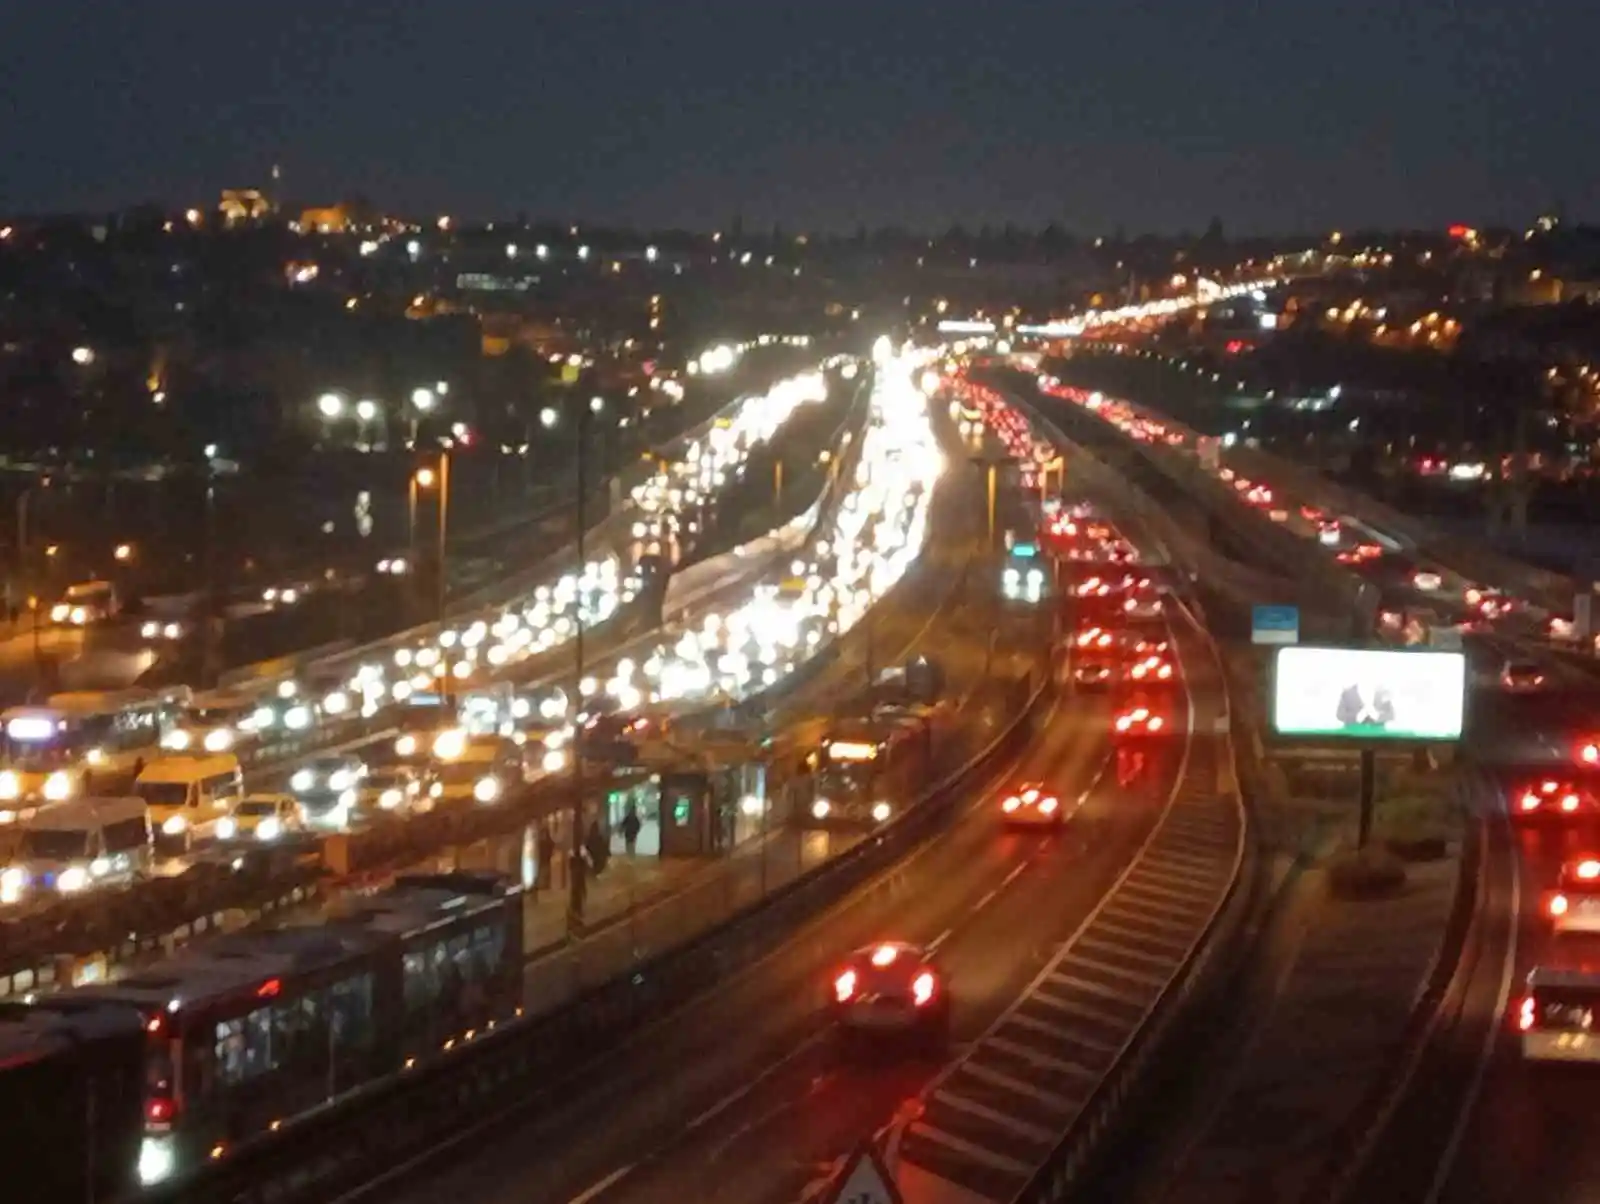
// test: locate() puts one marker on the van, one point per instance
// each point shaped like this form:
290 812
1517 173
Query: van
188 795
68 848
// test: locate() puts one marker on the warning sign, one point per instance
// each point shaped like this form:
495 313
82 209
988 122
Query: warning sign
865 1180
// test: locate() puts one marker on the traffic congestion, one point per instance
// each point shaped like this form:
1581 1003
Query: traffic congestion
447 741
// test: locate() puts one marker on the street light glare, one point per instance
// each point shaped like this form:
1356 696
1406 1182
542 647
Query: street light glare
548 417
596 404
423 399
425 477
331 405
366 410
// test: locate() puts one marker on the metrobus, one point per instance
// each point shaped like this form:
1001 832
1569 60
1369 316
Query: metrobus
855 770
84 742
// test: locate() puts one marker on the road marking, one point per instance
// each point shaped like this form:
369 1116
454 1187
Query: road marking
944 936
605 1185
733 1097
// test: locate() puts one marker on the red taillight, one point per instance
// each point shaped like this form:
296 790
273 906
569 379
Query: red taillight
1012 803
1558 905
159 1110
1049 806
1156 723
1124 722
922 989
844 986
1527 1014
1588 869
1590 754
1529 801
1569 803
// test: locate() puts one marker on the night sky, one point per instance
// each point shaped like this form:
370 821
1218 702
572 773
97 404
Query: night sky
1143 114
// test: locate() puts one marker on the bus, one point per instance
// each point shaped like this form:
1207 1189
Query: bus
251 1029
857 770
78 743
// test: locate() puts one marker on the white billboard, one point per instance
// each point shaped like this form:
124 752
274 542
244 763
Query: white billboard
1368 694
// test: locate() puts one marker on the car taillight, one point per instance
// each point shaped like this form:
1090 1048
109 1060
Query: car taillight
1569 803
922 988
1527 1014
1012 803
1124 722
159 1110
1155 723
1049 806
1529 801
844 986
1558 905
1588 869
1590 754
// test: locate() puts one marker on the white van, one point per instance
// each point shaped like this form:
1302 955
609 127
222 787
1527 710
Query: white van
188 795
68 848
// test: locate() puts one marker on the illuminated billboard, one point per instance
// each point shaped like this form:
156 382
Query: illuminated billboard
1368 694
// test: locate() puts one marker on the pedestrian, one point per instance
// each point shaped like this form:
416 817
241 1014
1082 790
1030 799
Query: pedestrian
630 829
597 846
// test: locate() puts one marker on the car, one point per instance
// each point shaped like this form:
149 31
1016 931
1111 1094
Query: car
332 773
1092 674
1554 1016
1329 532
1094 639
1031 805
1427 581
1139 720
1142 606
391 789
890 987
1149 670
1521 677
1550 798
1093 587
1574 906
261 817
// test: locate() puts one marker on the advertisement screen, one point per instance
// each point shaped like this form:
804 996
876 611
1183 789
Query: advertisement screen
1368 694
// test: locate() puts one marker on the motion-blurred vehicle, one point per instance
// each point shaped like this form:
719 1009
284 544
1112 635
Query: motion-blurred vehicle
1521 677
262 817
891 987
1555 1016
1031 805
1092 674
1150 670
1574 906
326 788
1551 798
1139 721
391 789
86 603
1143 606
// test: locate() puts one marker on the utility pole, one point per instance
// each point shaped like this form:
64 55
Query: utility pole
576 892
209 634
444 530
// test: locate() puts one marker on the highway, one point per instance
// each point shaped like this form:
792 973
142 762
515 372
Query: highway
747 1098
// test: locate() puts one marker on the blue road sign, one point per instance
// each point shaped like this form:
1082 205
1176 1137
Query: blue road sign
1275 625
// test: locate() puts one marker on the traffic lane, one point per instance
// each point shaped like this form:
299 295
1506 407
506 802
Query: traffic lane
757 1041
774 1150
1534 1134
1543 729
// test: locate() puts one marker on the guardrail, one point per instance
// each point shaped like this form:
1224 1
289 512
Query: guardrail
527 1063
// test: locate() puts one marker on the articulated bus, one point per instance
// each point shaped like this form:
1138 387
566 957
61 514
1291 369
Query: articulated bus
86 742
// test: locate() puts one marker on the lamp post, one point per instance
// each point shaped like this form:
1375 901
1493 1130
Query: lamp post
429 477
576 891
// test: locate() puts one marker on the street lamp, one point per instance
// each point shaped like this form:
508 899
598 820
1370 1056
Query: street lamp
423 400
427 477
548 417
596 404
366 409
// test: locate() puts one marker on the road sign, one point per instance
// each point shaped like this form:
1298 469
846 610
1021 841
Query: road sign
1275 625
865 1180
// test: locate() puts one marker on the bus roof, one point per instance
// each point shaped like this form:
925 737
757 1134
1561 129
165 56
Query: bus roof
33 1032
250 959
89 702
176 767
78 813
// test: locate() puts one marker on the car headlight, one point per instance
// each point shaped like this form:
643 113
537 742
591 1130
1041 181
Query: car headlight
13 882
174 825
57 786
881 812
149 631
227 829
303 779
405 746
269 829
297 718
219 740
157 1160
391 798
73 879
176 741
436 790
10 784
820 809
59 613
339 779
486 790
555 760
79 616
347 799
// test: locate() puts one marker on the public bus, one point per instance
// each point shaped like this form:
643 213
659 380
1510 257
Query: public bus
84 742
858 767
248 1030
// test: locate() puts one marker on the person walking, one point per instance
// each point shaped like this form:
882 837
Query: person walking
630 829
